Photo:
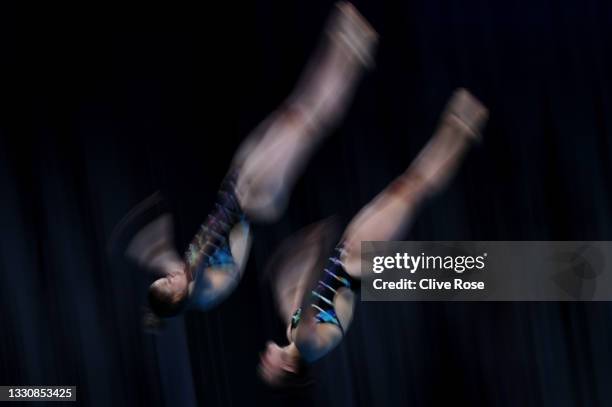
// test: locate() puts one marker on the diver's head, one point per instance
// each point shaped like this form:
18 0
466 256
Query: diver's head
168 295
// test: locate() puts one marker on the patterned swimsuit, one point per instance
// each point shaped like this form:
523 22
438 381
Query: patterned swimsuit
210 246
334 277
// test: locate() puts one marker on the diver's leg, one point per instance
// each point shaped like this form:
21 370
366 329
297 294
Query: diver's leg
274 154
386 218
266 165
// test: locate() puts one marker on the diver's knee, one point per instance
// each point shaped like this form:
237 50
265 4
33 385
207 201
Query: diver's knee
263 204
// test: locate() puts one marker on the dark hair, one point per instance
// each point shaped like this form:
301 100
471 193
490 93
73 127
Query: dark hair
165 304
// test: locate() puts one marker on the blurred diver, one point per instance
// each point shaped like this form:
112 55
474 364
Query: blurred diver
259 181
321 317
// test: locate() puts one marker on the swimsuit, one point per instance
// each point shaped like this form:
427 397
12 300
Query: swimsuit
334 277
210 246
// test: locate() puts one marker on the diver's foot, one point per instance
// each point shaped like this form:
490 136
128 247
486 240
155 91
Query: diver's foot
466 112
350 28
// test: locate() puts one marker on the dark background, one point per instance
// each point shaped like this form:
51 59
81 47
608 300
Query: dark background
102 105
